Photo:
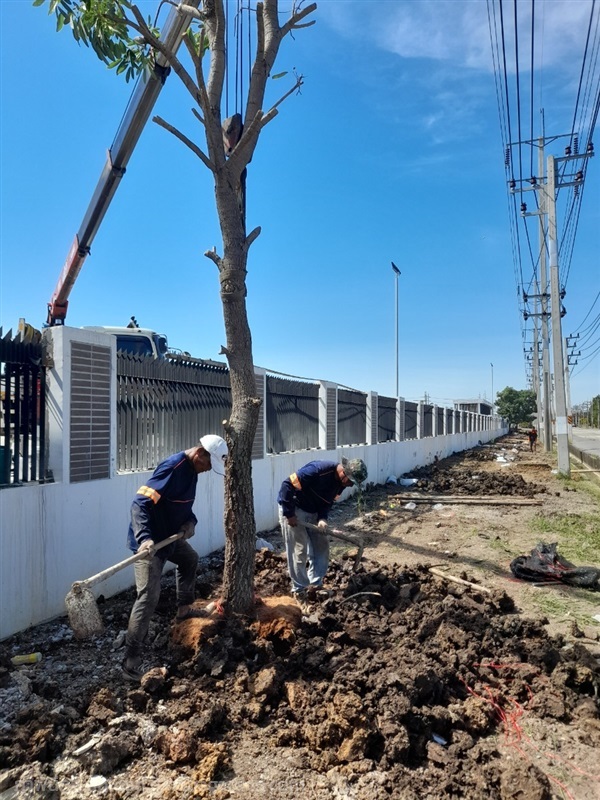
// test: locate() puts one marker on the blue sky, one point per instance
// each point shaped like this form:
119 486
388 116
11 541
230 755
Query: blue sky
392 152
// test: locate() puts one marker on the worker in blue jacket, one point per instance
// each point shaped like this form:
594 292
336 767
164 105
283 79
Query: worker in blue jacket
161 508
307 496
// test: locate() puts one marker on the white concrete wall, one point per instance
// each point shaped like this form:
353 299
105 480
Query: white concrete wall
54 534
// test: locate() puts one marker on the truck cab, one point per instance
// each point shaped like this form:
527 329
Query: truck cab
138 341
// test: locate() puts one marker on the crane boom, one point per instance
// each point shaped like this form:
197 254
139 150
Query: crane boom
139 108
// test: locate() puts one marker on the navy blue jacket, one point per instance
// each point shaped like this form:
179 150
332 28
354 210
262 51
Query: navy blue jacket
164 503
313 488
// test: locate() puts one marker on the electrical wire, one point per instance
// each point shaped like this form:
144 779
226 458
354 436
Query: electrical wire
588 313
505 70
592 331
585 114
590 359
531 92
587 41
504 130
518 91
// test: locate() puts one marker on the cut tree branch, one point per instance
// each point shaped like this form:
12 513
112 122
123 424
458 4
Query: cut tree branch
198 115
212 255
295 87
292 23
252 236
188 142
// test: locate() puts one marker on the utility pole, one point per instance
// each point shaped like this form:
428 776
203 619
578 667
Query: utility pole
547 416
540 300
568 390
535 366
492 366
560 400
397 275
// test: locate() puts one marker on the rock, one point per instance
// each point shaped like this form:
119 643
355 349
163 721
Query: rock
154 679
354 747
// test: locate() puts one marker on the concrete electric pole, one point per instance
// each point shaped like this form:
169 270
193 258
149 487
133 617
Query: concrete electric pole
397 274
546 429
560 399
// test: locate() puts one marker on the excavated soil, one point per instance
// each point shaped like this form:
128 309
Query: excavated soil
402 684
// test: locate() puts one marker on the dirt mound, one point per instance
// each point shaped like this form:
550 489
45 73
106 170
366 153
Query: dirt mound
398 686
443 477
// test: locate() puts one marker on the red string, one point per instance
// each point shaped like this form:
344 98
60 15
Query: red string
510 717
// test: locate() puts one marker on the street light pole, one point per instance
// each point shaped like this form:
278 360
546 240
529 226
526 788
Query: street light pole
397 275
492 366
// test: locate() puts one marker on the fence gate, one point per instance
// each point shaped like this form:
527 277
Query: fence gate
23 410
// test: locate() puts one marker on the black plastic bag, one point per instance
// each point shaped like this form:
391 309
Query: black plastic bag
544 564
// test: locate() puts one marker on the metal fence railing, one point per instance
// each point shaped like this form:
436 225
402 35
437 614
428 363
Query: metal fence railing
166 405
292 408
386 419
352 417
23 410
427 421
410 420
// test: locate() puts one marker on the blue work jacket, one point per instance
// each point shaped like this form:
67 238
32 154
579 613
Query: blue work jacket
164 503
314 488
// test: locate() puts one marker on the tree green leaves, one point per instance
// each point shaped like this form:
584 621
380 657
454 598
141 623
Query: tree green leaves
103 26
516 405
198 40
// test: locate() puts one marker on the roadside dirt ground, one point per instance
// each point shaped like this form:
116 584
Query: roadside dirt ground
402 684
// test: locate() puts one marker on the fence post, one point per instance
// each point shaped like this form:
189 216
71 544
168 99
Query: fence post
328 415
421 420
81 404
400 419
372 418
259 446
435 428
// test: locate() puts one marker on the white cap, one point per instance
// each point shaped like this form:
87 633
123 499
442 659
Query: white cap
217 447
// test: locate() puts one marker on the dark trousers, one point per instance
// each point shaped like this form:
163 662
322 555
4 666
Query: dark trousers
148 573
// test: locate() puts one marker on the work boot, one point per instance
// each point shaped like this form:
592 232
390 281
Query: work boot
132 668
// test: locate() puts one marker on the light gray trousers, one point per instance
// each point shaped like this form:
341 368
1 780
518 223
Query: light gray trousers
307 551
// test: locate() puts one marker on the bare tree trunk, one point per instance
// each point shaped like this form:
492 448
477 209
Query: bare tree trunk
240 525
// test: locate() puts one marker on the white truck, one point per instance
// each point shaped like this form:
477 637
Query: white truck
136 340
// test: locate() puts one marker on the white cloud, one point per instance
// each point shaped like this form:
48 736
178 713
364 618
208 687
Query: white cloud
457 31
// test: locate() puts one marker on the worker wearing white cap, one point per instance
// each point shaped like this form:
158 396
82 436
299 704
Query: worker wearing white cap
161 508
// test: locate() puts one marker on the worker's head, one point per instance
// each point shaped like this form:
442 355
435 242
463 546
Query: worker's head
211 453
354 471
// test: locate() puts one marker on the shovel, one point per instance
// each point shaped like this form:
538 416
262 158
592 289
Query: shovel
84 616
360 544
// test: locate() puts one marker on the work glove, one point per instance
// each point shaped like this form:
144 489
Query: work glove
188 529
292 521
147 547
322 525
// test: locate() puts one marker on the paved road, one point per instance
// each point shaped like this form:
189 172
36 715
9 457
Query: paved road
587 439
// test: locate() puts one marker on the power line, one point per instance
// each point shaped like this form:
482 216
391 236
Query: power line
589 312
587 41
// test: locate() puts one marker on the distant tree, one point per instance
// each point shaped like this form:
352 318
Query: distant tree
595 412
517 405
125 41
